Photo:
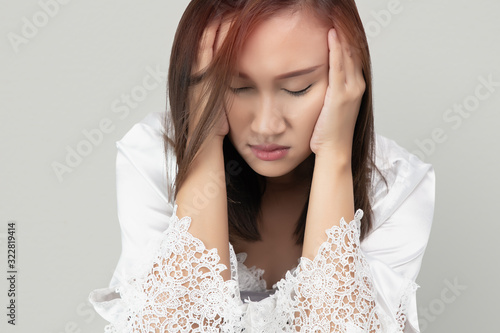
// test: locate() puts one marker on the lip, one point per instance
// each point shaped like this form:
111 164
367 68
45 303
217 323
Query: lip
268 147
270 152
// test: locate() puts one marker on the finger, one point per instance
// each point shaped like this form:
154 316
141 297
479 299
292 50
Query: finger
222 33
337 70
359 71
206 45
353 65
349 63
354 52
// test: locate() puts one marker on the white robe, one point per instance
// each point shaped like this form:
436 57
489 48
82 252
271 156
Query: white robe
392 251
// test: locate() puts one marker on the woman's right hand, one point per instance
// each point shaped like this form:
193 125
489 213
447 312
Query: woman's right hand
211 40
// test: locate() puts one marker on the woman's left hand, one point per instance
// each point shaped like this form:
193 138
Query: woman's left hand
334 129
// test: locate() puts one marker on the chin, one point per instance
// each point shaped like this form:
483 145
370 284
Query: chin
271 172
272 169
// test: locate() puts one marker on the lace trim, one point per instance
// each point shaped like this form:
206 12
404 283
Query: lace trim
397 323
334 292
401 316
250 278
183 290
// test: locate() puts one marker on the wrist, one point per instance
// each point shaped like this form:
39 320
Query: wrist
332 158
210 156
211 147
205 180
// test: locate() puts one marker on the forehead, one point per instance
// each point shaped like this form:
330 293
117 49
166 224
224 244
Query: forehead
287 41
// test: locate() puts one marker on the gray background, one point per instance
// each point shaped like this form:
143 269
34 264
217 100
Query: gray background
429 56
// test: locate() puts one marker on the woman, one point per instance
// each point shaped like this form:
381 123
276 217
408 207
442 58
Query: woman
274 147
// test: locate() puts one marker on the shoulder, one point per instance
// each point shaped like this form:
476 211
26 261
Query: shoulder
148 132
403 212
142 147
404 172
143 205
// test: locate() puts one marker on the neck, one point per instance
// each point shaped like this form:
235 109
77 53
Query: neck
299 179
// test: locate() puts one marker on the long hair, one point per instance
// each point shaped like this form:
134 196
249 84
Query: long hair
243 191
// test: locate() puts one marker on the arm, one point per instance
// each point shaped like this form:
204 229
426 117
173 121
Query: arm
331 290
179 273
183 289
381 293
203 197
188 285
332 194
331 198
333 284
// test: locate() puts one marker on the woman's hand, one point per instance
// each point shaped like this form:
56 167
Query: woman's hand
334 129
212 39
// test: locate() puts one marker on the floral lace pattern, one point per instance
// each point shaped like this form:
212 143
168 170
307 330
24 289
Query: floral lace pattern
250 278
334 292
182 290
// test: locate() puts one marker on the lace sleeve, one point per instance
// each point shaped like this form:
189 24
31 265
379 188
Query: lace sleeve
334 292
181 288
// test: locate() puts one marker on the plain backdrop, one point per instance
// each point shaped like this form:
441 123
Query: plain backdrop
64 67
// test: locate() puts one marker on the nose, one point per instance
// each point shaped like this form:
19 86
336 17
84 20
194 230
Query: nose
268 119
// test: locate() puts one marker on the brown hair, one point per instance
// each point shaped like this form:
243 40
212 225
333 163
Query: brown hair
243 191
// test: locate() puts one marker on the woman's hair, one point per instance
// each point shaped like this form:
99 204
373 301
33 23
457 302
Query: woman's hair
242 183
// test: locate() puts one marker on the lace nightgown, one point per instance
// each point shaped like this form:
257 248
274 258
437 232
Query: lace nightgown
167 281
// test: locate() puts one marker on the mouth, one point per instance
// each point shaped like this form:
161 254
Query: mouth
270 152
268 147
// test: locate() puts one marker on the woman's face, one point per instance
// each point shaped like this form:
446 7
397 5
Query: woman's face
279 92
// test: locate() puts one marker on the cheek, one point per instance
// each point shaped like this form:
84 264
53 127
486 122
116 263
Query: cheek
237 119
235 116
302 112
307 112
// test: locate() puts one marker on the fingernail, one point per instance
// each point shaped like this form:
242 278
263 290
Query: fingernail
333 33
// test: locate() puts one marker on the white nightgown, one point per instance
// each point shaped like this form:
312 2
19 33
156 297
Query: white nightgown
167 281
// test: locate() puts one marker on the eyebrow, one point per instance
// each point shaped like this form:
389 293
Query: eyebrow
286 75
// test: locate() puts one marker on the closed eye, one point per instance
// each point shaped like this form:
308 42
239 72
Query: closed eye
293 93
299 93
239 90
